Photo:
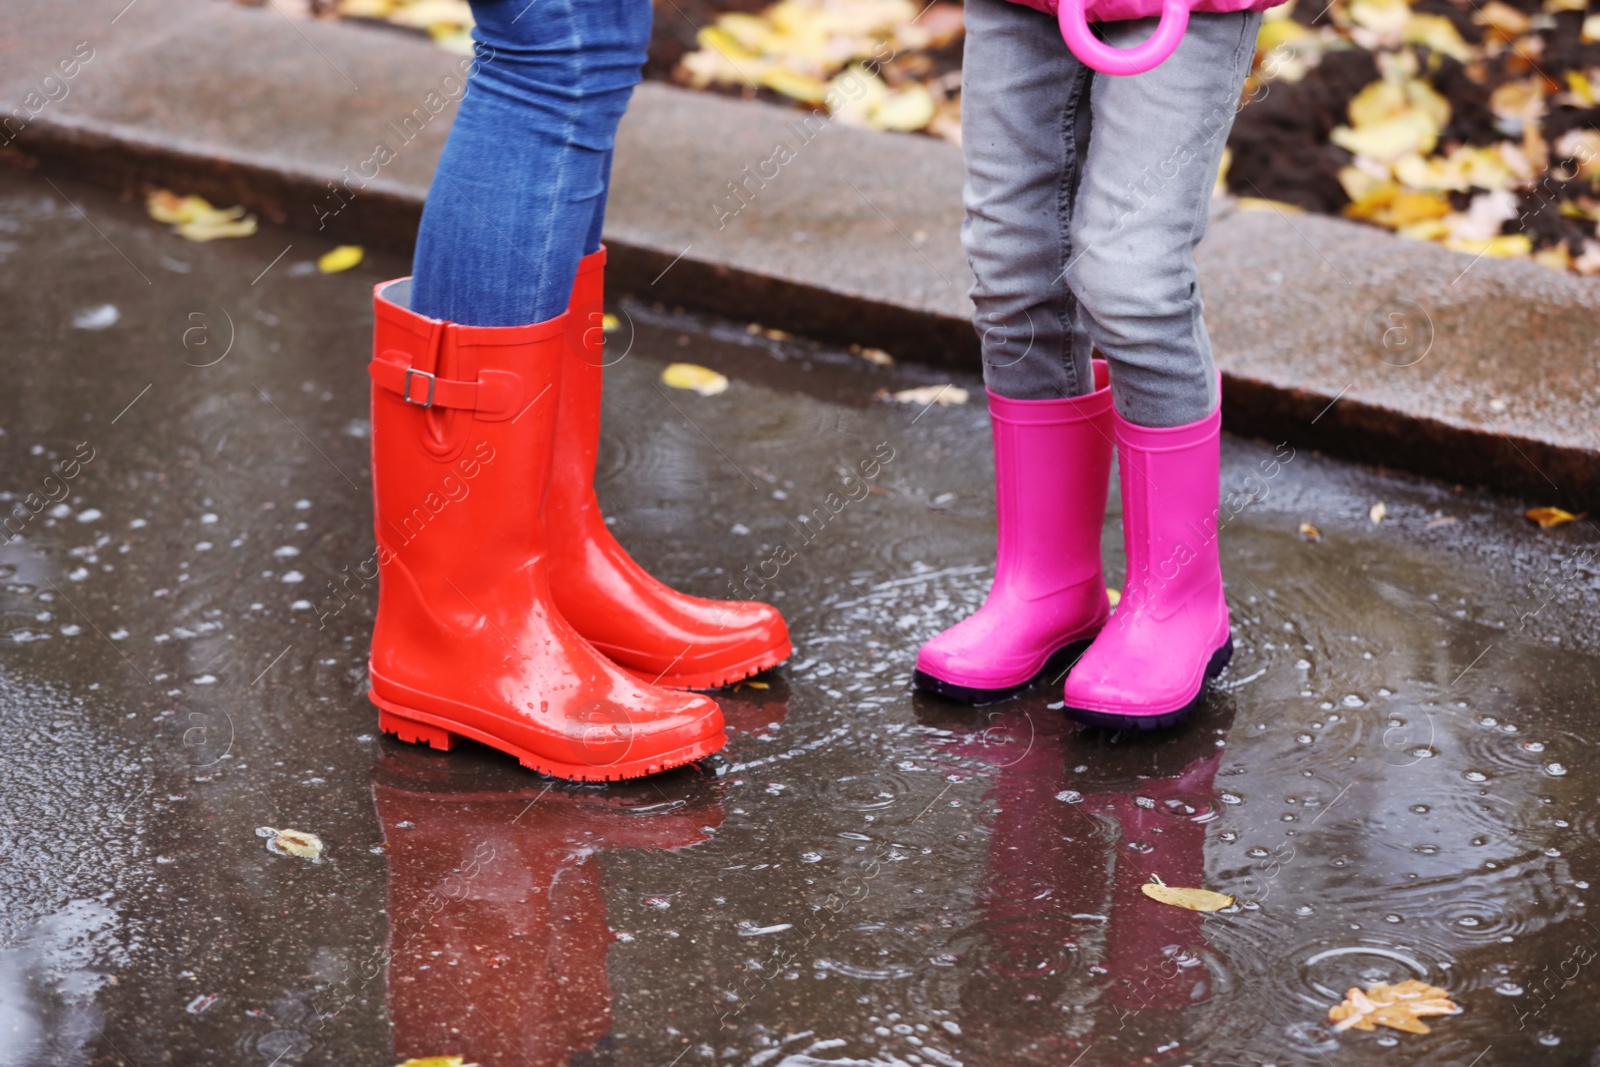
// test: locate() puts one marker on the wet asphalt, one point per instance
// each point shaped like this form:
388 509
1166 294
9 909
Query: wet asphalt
1396 778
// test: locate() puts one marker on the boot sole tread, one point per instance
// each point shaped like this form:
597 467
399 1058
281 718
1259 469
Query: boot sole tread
419 727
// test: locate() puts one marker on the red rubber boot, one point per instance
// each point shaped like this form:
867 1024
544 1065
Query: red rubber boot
468 642
659 634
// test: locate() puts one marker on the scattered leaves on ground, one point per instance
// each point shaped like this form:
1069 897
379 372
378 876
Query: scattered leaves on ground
195 219
1548 517
1399 1007
1192 899
858 59
928 395
306 846
1476 131
702 380
342 258
1310 532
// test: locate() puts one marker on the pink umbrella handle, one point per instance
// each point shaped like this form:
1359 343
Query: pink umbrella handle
1102 57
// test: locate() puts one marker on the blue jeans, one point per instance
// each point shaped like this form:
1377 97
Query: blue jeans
1086 195
520 193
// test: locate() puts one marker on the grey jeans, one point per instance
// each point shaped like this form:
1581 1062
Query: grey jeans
1086 195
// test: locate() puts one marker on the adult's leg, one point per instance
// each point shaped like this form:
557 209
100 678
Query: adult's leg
521 186
1143 206
1024 124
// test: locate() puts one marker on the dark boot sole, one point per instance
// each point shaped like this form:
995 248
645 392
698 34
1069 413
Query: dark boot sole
1061 659
1111 721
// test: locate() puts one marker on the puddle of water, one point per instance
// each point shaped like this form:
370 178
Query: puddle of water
1395 779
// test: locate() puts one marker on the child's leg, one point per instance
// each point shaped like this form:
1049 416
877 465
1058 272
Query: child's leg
1024 117
1142 206
1024 121
521 186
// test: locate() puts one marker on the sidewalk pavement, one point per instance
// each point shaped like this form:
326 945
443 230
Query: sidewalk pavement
1330 334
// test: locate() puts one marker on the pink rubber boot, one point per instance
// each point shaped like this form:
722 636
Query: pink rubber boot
1052 466
1169 635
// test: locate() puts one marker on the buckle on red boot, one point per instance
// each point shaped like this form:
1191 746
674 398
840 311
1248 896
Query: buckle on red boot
495 395
405 389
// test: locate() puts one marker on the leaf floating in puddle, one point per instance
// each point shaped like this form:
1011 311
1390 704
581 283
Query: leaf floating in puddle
1548 517
702 380
342 258
1192 899
195 219
1399 1007
1310 532
306 846
928 395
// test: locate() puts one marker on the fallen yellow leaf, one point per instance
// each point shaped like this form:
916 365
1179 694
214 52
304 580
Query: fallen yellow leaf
927 395
1505 246
195 219
610 323
437 1061
425 14
793 84
910 109
1377 512
1522 101
1439 34
342 258
203 230
702 380
876 356
1385 17
299 843
1578 85
1114 596
1395 1006
1409 132
1192 899
1548 517
1503 19
1310 532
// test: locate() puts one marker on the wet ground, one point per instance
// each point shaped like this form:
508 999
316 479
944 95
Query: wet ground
1397 777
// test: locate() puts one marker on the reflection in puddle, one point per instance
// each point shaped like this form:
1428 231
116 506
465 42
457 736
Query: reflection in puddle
497 914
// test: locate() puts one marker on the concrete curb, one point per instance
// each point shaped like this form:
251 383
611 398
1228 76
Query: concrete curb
765 213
